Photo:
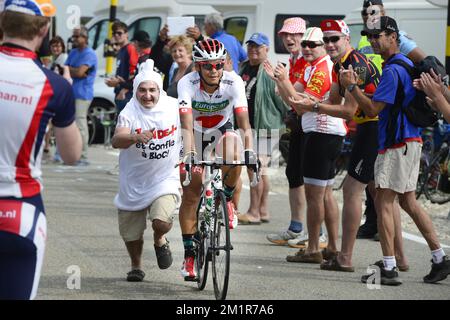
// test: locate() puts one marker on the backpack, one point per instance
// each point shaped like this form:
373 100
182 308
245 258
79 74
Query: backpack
418 112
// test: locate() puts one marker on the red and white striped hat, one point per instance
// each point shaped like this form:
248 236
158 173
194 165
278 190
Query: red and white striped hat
313 34
335 25
293 25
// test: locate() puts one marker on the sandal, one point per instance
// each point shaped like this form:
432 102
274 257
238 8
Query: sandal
244 220
333 265
329 255
135 275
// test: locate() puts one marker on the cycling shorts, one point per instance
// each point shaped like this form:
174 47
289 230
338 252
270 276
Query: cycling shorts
321 152
23 232
364 152
294 168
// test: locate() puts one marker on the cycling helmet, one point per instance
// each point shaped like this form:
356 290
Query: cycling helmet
209 49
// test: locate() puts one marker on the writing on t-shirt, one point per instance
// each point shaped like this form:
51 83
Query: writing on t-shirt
156 150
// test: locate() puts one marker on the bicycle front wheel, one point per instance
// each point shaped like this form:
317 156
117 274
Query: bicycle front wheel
221 246
201 237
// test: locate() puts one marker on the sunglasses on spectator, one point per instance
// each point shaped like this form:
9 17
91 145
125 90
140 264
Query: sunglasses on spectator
365 13
375 36
333 39
119 33
209 66
310 44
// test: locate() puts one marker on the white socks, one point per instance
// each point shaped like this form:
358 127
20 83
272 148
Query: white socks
438 255
389 263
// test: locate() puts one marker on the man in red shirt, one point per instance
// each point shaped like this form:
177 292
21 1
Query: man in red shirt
291 34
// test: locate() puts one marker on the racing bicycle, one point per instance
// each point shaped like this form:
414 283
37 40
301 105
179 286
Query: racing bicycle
212 239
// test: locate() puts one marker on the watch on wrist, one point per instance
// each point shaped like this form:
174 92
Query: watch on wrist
351 87
315 107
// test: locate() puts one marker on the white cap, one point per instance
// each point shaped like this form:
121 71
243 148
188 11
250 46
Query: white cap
313 34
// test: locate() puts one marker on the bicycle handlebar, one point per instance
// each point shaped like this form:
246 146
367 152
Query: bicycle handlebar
215 164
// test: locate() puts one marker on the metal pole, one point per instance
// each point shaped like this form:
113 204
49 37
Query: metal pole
447 54
108 48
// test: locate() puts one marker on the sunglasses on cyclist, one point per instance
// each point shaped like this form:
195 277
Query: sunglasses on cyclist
119 33
209 66
332 39
310 44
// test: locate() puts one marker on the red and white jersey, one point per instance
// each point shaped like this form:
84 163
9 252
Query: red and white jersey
317 80
30 96
211 111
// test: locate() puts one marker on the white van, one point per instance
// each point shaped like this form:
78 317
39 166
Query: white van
242 19
424 21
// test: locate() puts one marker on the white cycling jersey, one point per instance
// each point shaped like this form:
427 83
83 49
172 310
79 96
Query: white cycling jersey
211 111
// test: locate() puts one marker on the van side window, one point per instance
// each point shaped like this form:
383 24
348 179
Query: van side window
151 25
311 21
236 26
98 33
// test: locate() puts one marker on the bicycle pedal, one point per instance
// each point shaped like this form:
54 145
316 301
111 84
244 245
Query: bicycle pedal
231 247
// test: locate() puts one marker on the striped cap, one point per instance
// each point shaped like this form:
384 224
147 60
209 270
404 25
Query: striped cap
43 8
313 34
293 25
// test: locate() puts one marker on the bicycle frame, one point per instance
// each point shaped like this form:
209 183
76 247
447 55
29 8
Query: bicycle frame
212 225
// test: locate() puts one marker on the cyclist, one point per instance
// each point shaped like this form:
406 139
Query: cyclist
208 98
29 96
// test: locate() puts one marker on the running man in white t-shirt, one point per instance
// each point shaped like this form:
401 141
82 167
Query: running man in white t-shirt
207 99
148 132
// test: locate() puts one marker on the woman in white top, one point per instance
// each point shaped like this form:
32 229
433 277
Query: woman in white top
59 55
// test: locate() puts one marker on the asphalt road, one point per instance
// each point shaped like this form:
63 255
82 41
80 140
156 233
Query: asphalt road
83 237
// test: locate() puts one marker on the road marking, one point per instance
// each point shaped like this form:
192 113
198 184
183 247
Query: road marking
419 239
114 153
246 187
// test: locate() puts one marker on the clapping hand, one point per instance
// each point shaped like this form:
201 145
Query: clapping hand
302 101
347 76
269 70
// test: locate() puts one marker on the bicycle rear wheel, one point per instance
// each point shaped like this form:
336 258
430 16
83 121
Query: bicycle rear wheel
221 245
201 237
435 178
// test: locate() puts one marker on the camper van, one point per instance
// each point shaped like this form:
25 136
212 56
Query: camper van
241 18
244 17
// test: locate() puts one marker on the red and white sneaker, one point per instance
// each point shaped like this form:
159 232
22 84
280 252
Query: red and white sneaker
232 216
188 269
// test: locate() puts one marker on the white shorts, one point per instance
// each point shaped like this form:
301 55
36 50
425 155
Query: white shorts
398 171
